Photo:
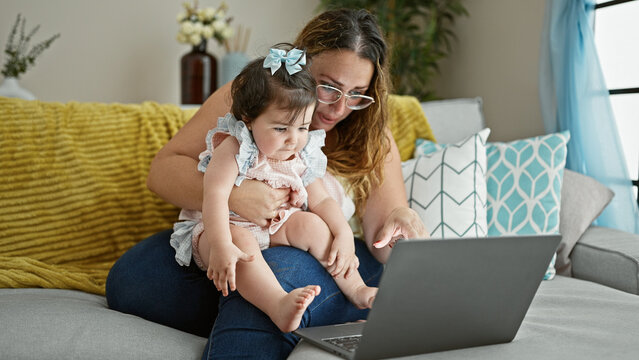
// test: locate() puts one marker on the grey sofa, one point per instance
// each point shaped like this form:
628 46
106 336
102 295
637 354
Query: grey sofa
590 312
594 315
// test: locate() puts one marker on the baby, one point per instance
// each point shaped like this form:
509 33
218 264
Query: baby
266 137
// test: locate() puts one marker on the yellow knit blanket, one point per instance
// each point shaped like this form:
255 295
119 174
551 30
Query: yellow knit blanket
408 123
73 194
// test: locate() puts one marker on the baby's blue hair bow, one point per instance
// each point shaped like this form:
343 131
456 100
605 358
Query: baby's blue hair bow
293 60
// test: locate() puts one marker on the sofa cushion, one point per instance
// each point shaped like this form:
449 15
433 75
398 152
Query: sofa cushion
68 324
608 256
447 188
582 200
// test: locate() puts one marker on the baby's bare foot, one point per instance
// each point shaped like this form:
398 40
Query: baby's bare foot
363 296
292 307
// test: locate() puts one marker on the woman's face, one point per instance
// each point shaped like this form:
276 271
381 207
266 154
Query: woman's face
342 69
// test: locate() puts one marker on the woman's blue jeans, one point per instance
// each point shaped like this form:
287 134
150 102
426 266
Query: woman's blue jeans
147 281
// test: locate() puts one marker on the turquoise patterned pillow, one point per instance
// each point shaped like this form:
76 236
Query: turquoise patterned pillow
523 180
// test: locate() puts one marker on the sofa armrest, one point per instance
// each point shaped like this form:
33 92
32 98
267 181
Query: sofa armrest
609 257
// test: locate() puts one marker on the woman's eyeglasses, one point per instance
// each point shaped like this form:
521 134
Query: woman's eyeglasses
327 94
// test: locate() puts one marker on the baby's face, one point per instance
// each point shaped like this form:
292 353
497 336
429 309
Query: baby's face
278 139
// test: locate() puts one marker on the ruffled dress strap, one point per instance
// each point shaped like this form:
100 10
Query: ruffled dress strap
313 157
248 152
205 156
223 129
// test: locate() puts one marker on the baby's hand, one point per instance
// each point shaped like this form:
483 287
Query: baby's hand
342 260
222 263
296 200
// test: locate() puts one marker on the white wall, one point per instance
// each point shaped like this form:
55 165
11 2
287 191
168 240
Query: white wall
496 56
125 50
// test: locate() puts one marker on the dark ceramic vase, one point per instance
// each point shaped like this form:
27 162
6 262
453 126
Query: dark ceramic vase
198 70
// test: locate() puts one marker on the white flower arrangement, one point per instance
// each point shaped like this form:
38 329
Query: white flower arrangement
197 25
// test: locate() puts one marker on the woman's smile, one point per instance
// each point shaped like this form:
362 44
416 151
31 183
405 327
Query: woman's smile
322 118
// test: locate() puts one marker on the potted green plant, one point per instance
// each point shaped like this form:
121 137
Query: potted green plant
19 58
419 33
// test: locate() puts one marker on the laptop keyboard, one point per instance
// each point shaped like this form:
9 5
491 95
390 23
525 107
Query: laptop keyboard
348 343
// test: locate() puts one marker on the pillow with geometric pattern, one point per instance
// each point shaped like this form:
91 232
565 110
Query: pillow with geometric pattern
524 181
447 188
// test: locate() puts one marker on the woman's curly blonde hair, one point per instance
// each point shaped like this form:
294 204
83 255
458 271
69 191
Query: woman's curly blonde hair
362 142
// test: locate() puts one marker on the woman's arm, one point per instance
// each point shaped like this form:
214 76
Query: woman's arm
387 216
173 174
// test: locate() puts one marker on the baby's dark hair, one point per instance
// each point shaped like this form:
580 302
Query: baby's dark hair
254 89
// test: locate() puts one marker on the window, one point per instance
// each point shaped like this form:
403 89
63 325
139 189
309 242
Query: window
617 39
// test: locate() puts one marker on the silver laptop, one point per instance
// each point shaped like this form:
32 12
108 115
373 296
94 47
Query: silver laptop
437 295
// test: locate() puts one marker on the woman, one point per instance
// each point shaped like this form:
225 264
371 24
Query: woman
348 57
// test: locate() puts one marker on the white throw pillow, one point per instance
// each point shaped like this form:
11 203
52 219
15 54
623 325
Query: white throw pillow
452 120
447 188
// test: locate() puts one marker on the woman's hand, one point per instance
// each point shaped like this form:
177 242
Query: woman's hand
342 260
256 201
403 222
222 263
